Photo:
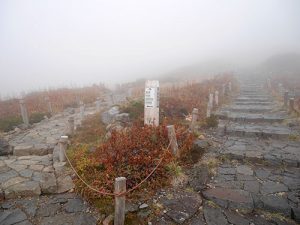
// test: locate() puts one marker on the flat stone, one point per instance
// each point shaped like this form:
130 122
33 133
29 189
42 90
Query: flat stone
244 170
198 220
262 173
9 217
74 205
36 167
230 198
64 184
271 187
251 186
48 210
29 206
214 216
26 173
23 149
181 206
276 204
17 167
27 188
235 218
47 182
12 181
7 175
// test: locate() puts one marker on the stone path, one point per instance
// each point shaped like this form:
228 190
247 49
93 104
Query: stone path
33 182
260 169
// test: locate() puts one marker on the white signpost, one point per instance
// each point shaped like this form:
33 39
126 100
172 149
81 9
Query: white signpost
151 108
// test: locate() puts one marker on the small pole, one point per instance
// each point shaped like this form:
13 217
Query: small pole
63 142
223 89
120 187
81 110
172 139
211 100
292 104
195 113
112 98
24 112
216 98
71 125
98 103
208 110
286 98
229 86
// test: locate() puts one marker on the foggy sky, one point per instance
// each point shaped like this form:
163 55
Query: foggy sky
50 43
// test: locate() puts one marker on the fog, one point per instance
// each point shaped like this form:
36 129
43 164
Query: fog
54 43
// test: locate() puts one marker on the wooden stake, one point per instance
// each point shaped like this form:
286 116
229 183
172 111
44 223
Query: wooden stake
195 113
173 139
120 187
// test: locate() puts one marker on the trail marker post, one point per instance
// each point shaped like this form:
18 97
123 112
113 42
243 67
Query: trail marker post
151 108
24 112
216 98
120 187
63 142
195 113
173 139
292 104
81 110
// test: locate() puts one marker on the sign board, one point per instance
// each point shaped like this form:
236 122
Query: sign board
151 103
151 97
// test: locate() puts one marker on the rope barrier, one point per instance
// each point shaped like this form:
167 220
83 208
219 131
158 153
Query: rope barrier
122 193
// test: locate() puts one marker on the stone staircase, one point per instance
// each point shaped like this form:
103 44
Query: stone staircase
260 167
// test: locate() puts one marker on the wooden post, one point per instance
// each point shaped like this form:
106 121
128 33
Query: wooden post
63 142
49 106
223 90
24 112
173 139
112 98
81 110
120 187
216 98
98 104
211 100
195 114
208 110
151 108
292 104
71 126
285 98
229 87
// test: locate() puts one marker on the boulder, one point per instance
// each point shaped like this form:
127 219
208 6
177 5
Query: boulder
109 116
5 149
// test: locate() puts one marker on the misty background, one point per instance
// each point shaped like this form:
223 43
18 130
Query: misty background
55 43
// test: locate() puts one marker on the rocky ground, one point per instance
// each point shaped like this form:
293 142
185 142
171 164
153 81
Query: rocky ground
35 187
249 174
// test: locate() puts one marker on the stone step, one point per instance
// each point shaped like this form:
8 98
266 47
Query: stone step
275 153
248 187
249 108
259 131
254 103
32 149
32 176
249 99
250 117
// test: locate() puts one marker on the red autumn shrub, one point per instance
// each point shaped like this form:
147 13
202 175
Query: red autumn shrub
133 154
